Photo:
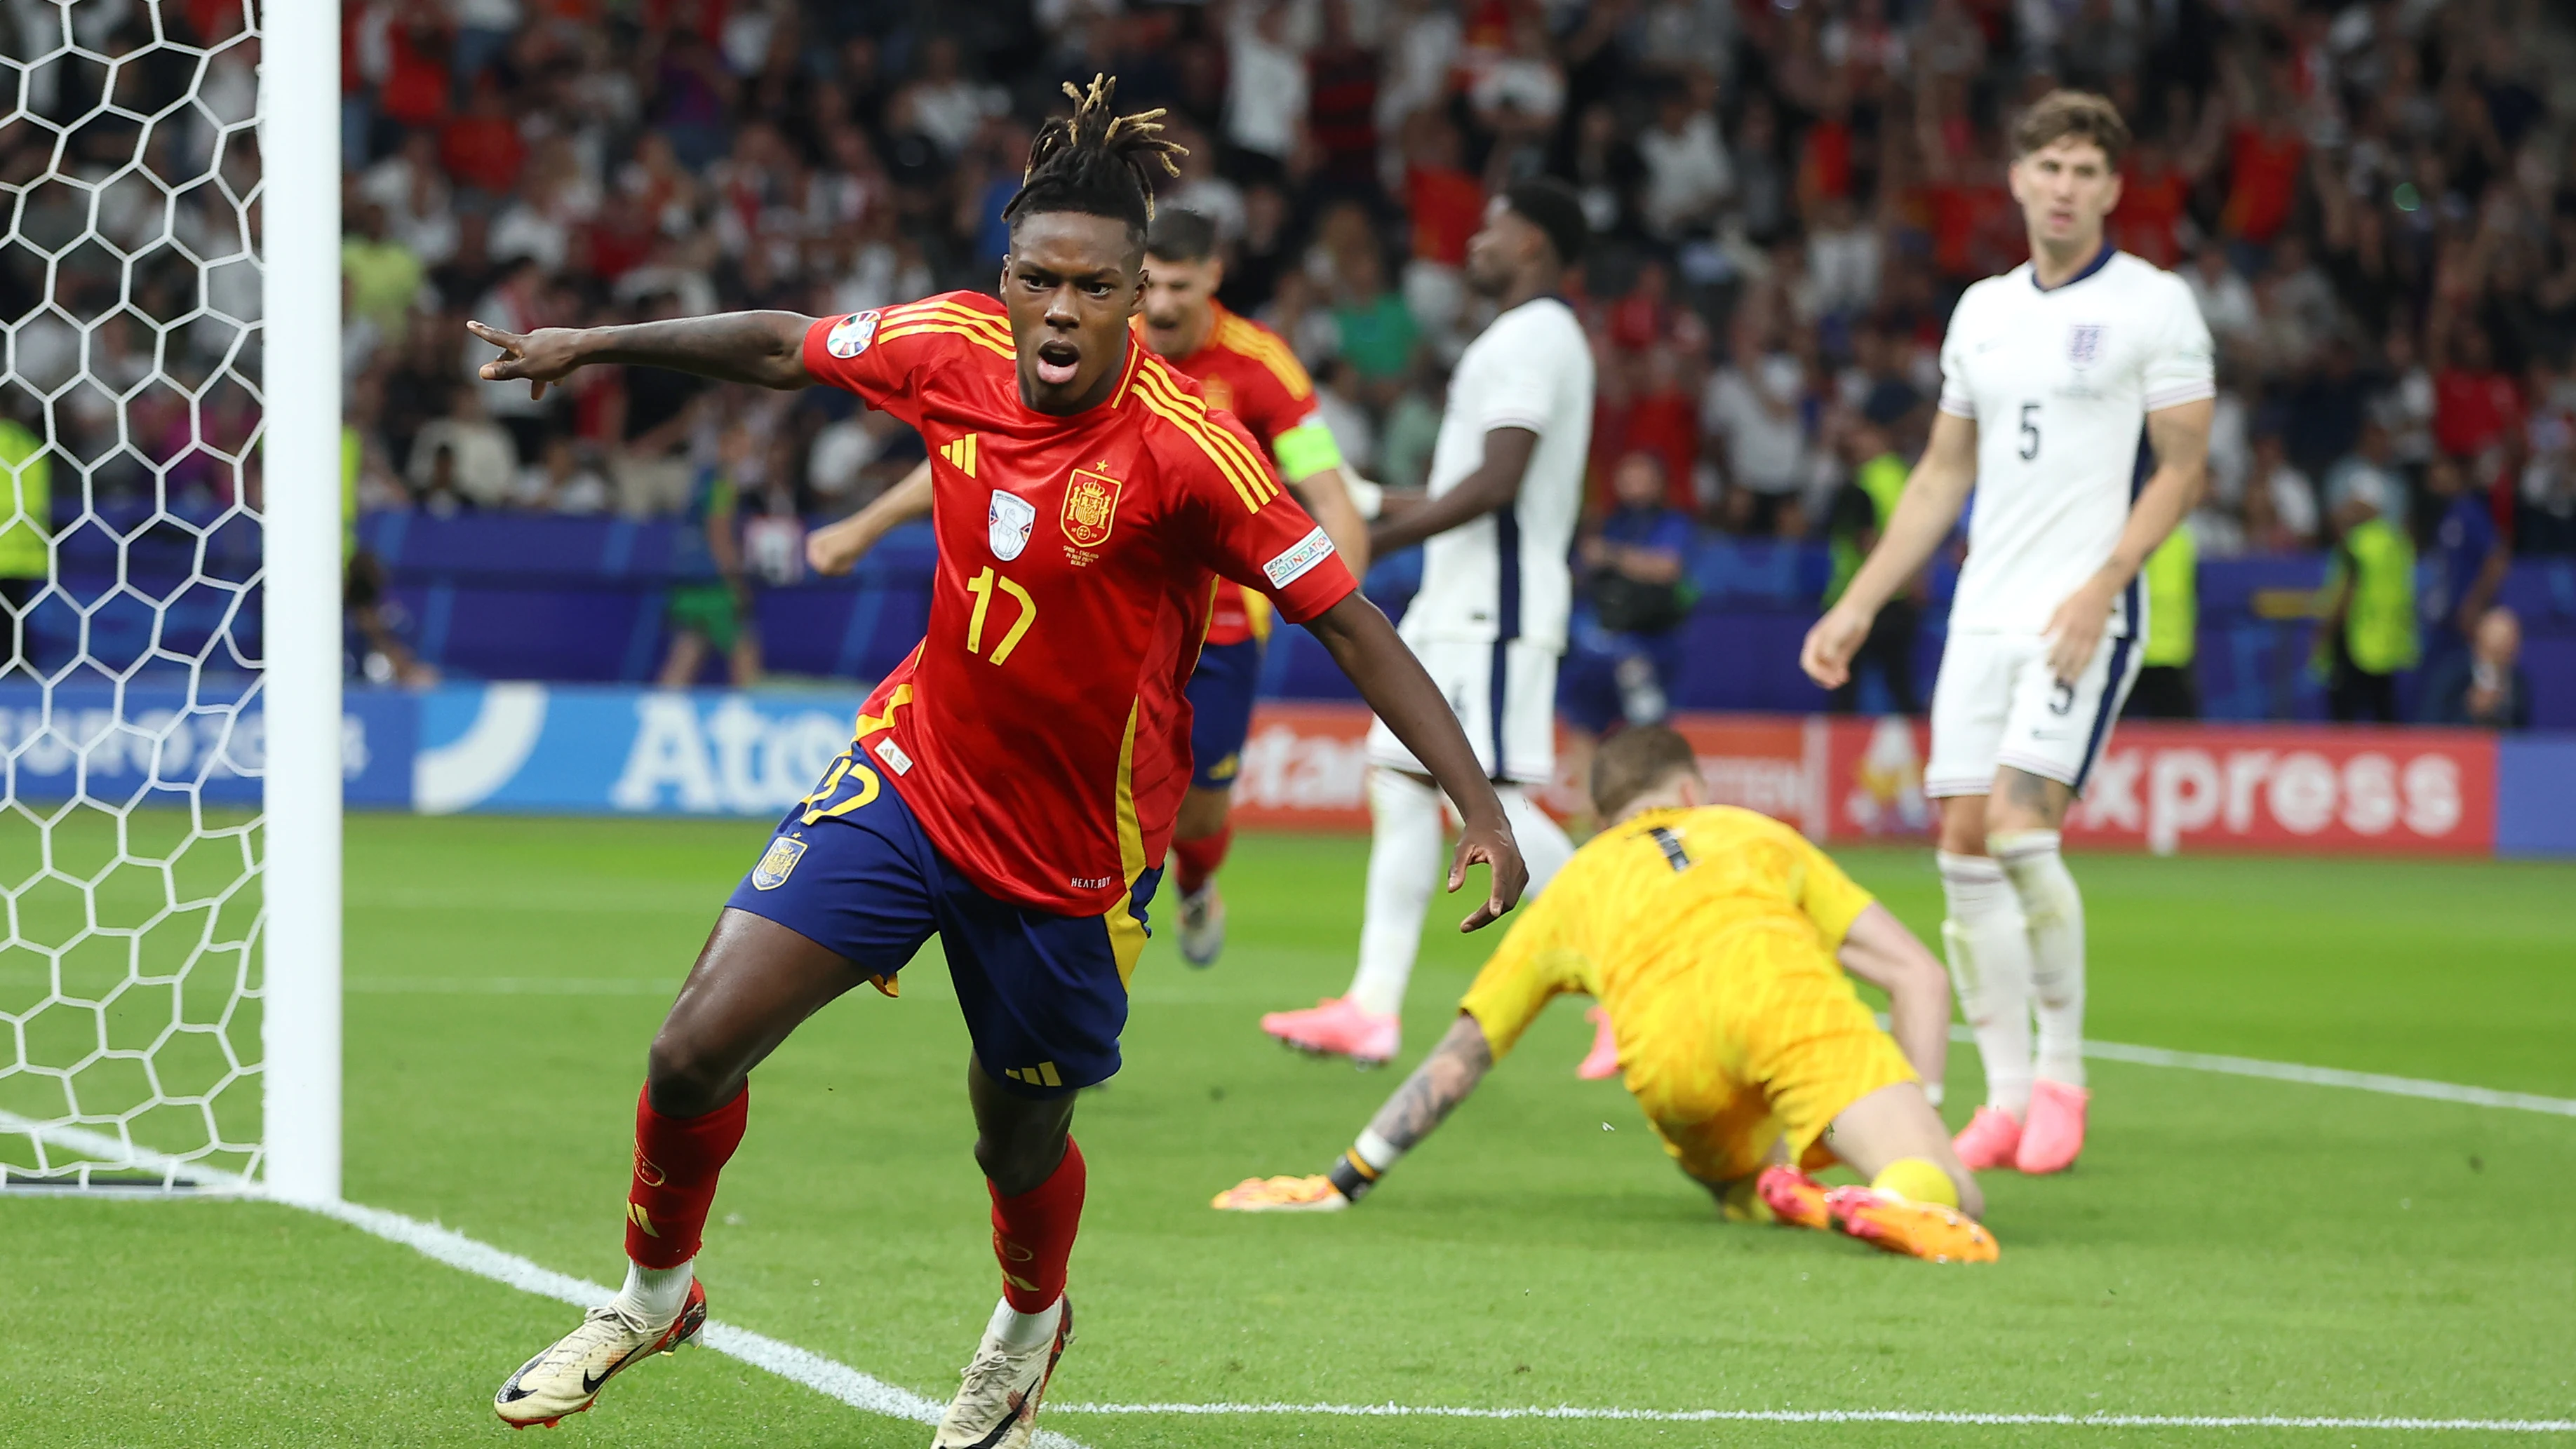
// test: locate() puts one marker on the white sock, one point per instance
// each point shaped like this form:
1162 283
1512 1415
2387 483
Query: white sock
2055 910
1544 846
1018 1330
1989 949
1404 862
655 1295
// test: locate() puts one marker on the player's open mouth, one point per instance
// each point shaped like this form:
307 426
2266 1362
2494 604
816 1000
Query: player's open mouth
1057 360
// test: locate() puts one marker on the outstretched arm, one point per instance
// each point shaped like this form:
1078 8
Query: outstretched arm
1933 496
837 548
1328 497
1427 1097
1365 645
1494 484
766 348
1879 950
1424 1101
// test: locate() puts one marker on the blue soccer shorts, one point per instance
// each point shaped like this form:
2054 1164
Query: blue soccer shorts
1220 693
1045 996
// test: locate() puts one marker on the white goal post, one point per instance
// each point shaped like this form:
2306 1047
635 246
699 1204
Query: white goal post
171 572
300 1030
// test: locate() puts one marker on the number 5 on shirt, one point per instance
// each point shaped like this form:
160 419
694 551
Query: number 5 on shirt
982 586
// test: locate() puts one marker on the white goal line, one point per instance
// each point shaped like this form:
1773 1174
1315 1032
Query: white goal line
2431 1091
1838 1416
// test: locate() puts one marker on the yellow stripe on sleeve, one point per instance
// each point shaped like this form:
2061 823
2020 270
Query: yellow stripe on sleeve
977 336
1249 475
1251 339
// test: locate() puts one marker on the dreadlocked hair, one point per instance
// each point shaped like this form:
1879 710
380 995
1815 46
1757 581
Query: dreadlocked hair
1096 163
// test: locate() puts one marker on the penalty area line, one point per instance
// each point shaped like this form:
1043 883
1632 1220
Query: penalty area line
1840 1416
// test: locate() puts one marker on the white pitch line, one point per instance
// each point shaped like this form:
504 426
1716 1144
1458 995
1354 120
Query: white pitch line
828 1377
2147 1056
1838 1416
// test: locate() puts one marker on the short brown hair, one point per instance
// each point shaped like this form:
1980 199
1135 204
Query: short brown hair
2071 116
1634 761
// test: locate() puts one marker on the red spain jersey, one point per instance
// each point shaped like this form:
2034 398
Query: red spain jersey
1248 370
1039 733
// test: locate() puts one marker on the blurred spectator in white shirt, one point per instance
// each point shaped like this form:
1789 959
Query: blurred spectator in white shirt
1687 171
1756 406
1265 84
482 462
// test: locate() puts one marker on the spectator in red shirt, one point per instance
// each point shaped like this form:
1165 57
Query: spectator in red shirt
2263 179
482 148
2152 196
2474 404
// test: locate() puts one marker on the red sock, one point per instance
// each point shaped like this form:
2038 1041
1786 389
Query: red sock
1198 859
1033 1234
677 1160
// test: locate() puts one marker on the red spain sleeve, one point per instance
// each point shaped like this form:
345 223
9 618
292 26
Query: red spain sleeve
1245 526
884 355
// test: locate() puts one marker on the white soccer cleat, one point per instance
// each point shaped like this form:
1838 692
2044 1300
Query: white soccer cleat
1202 925
997 1406
567 1378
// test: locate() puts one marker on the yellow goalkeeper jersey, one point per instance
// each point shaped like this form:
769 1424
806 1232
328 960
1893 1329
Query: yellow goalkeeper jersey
1657 912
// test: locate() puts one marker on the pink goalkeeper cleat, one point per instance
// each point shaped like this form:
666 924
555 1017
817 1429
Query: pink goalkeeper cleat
1337 1027
1603 1060
2055 1133
1989 1140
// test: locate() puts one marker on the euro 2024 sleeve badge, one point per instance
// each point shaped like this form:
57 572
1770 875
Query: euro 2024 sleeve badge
851 335
777 863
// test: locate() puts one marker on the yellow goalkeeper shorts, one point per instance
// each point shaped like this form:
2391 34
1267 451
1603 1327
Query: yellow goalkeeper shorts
1764 1043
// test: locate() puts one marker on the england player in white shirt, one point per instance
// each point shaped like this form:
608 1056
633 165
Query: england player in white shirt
2050 375
1496 525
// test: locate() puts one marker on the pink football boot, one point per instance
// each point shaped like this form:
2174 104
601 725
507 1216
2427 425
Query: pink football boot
1989 1140
1337 1027
1603 1060
2054 1135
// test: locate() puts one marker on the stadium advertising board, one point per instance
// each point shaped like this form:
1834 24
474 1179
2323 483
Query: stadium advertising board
2161 787
620 750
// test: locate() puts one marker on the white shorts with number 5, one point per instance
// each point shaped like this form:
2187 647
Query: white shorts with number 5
1997 705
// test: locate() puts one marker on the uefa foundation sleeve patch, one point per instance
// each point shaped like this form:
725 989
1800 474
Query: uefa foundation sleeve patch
1293 562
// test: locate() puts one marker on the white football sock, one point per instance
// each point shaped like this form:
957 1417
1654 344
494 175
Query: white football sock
1989 950
655 1295
2055 910
1404 863
1019 1330
1544 846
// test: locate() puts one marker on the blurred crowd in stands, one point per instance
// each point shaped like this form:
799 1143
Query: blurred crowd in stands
2373 201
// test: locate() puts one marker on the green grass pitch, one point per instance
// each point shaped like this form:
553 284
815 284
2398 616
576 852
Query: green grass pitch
2227 1246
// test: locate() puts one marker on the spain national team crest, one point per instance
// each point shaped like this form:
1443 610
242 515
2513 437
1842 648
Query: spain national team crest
851 335
1090 507
2084 344
778 864
1009 522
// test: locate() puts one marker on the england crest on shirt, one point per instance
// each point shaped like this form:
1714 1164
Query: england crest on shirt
851 335
2084 344
1009 521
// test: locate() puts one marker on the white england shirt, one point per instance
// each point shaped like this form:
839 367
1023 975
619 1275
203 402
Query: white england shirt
1504 576
2059 384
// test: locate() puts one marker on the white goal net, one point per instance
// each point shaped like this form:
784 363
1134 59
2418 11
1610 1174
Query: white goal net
132 706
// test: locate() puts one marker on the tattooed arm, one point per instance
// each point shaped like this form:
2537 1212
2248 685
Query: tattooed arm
1442 1082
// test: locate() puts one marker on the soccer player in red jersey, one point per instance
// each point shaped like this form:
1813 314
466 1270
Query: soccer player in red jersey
1248 370
1011 785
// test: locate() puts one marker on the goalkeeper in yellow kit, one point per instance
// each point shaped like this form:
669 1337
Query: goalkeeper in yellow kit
1717 939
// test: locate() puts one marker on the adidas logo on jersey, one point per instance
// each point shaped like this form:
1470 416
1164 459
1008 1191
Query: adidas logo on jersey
961 453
